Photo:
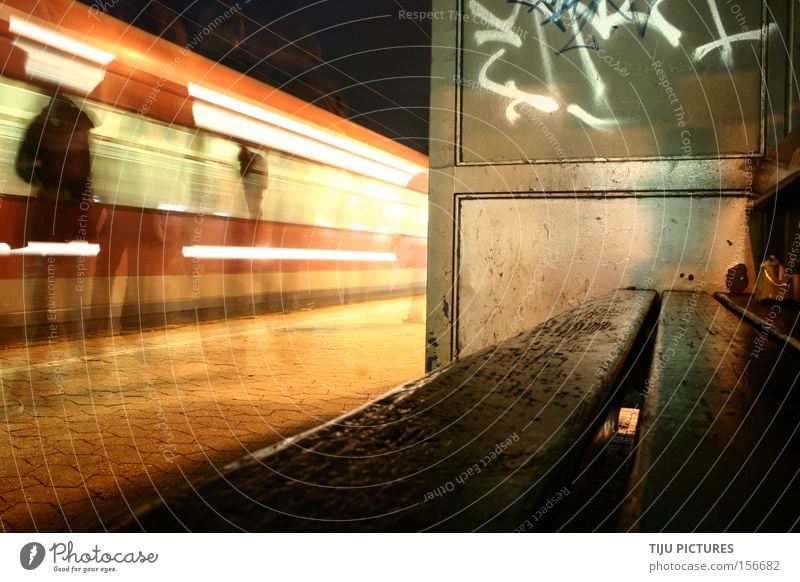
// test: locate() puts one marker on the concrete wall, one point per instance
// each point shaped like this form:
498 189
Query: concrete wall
577 150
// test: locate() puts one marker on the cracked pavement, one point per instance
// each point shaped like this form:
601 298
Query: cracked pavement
93 427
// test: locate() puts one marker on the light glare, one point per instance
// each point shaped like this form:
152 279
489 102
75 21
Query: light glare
59 41
283 254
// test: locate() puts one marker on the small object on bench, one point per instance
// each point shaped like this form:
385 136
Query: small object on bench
736 280
481 444
771 282
719 446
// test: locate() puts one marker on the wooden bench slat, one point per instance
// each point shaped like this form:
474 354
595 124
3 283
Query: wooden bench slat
719 447
514 414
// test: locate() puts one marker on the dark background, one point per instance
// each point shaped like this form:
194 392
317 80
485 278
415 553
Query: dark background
357 58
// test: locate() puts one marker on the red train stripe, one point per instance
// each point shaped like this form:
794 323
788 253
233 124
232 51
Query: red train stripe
149 242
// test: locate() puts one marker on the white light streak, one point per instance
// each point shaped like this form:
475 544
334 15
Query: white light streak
274 137
50 38
284 254
304 129
57 68
171 207
75 248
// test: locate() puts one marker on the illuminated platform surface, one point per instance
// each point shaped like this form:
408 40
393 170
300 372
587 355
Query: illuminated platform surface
92 427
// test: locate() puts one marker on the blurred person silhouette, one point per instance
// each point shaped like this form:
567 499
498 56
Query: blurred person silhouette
133 239
245 227
248 198
132 256
55 158
254 175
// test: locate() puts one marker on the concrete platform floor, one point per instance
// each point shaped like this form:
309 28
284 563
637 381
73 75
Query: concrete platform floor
90 428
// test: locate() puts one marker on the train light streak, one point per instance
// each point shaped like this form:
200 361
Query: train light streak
172 207
74 248
274 137
63 70
284 254
304 129
59 41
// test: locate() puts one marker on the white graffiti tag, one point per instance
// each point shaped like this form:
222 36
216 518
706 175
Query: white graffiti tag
502 31
585 25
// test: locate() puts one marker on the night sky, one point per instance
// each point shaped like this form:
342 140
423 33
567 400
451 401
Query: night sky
355 57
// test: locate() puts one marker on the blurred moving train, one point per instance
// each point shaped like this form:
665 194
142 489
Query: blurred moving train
210 193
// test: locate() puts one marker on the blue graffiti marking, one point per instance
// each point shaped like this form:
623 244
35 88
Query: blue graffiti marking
556 11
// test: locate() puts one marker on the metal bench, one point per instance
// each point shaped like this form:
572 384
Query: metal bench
482 444
718 447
